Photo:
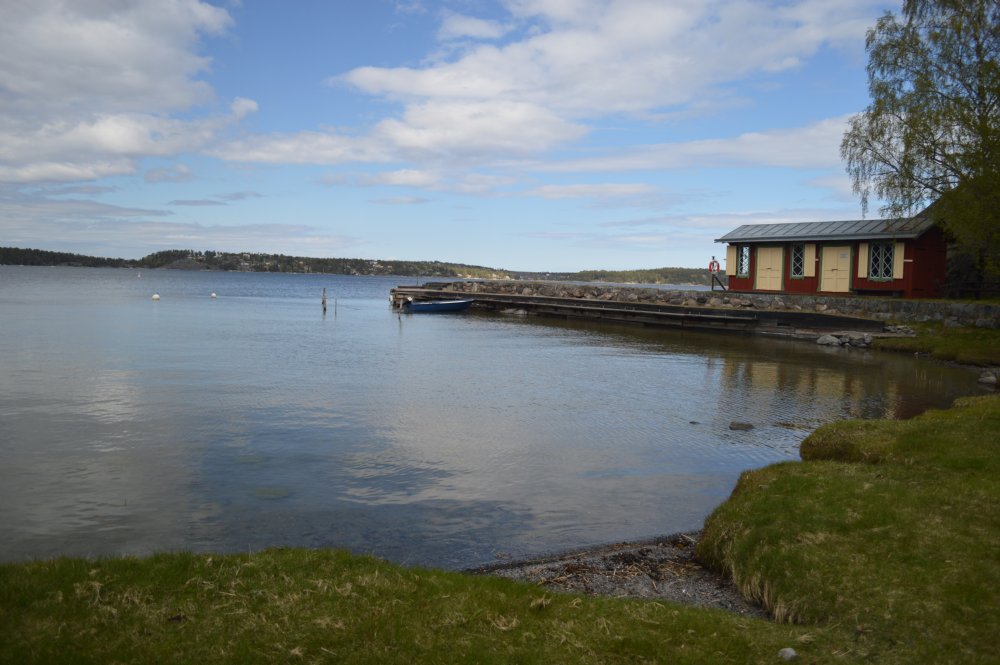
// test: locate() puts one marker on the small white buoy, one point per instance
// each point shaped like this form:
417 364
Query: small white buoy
213 294
156 296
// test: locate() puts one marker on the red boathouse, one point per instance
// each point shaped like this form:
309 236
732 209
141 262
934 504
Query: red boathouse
873 257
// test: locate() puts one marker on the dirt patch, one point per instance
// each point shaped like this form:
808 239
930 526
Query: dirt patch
665 568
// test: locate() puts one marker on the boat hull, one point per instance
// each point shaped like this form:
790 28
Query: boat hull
437 305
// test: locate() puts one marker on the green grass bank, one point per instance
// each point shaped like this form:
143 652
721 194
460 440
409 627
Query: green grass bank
881 546
887 534
963 344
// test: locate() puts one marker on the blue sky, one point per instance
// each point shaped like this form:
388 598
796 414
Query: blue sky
521 134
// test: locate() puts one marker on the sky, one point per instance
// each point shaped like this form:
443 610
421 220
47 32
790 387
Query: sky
538 135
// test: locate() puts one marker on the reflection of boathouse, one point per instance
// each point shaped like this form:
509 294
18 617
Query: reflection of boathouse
885 257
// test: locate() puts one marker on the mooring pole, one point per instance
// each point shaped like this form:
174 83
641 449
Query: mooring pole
324 300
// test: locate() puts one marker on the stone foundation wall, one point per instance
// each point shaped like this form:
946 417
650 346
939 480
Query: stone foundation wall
981 315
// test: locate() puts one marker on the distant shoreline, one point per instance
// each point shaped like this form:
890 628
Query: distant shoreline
258 262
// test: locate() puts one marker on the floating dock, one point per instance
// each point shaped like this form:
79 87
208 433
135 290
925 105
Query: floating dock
783 323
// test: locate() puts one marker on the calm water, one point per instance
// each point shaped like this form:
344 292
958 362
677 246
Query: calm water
129 426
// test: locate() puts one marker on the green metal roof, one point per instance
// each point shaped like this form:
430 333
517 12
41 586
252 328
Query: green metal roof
865 229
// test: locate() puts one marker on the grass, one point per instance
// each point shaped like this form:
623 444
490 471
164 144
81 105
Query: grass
294 605
966 345
889 531
882 546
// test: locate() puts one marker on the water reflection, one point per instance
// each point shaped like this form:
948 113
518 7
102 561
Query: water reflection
252 421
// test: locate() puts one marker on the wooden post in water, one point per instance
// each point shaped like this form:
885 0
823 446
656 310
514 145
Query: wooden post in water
324 300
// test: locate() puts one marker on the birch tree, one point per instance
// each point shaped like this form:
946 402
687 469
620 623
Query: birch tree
932 131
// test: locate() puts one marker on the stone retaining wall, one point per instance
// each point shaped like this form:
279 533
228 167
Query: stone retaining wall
981 315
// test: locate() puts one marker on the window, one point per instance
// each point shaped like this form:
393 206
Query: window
880 261
798 260
743 261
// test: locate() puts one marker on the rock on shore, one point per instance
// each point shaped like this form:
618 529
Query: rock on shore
665 568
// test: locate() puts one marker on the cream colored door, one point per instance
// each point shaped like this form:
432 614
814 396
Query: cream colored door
769 260
836 274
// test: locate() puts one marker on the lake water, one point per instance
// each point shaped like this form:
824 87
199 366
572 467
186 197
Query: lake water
251 420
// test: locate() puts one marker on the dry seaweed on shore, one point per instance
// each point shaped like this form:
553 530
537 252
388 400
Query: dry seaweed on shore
662 568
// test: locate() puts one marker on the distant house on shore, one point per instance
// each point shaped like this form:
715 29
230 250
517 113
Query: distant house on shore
872 257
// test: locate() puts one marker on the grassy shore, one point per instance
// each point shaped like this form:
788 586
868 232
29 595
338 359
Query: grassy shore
881 547
888 534
966 345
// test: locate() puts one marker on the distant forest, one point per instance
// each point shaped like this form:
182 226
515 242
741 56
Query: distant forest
184 259
644 276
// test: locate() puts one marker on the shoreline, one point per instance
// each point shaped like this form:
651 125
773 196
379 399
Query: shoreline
663 568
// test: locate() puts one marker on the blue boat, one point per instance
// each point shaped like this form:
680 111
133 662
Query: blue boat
436 305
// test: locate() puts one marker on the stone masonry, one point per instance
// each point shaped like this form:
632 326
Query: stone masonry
980 315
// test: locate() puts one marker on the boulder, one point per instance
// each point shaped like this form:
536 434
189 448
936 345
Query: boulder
861 340
829 340
740 427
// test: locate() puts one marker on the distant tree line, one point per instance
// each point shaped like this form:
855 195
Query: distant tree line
41 257
258 262
647 276
187 259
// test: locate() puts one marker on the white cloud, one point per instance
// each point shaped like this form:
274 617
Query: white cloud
240 196
410 7
574 62
89 55
89 227
100 145
89 86
467 130
721 223
50 171
558 66
302 148
402 201
89 190
242 107
479 183
195 202
814 146
680 234
403 178
590 58
594 191
558 11
839 185
219 200
459 26
175 173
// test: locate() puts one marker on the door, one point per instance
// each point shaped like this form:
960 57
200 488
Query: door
769 260
836 273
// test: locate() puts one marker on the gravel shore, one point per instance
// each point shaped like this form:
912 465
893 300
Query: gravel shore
664 568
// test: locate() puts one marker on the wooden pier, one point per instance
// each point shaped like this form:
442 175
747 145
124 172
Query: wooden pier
783 323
